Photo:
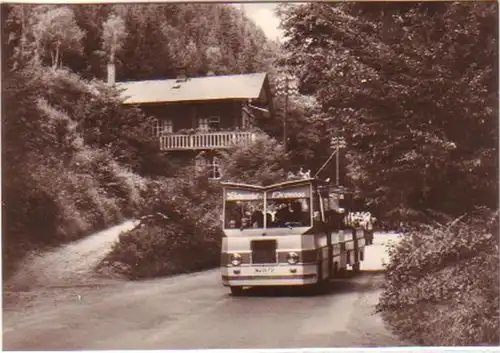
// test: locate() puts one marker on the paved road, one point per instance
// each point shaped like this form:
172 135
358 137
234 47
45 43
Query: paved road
195 311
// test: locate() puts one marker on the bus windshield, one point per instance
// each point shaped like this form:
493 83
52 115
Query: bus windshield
284 208
243 214
290 207
288 213
244 209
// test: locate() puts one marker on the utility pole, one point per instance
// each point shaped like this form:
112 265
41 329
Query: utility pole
285 115
23 34
337 142
337 167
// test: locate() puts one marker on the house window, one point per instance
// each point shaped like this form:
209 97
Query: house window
210 123
162 127
203 124
214 172
214 123
210 166
200 164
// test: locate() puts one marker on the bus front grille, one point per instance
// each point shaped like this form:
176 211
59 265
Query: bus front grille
264 251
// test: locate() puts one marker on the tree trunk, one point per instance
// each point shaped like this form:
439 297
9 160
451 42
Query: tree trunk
23 34
112 49
55 62
53 59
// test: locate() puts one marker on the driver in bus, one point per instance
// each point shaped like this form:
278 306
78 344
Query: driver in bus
296 212
245 223
269 219
257 219
284 214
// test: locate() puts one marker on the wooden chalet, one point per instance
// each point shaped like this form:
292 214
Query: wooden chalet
198 116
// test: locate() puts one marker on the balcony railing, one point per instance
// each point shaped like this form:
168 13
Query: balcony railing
208 140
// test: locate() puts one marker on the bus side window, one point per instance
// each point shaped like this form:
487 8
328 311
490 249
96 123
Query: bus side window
334 215
330 216
326 209
318 216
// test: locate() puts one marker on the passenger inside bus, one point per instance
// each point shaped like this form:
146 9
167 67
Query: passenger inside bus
245 223
280 213
269 220
244 214
257 219
291 213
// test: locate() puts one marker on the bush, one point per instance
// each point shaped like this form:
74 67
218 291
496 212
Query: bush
183 235
57 186
162 248
442 285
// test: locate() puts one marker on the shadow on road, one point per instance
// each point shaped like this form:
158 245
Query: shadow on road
350 283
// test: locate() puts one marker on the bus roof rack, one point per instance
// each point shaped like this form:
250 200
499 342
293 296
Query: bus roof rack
285 183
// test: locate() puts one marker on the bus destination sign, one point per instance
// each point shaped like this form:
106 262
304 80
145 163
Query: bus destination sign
243 195
292 193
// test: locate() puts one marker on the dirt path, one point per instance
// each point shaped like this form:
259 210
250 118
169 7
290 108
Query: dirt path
69 265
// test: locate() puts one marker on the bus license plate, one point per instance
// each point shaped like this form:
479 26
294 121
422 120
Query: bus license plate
264 270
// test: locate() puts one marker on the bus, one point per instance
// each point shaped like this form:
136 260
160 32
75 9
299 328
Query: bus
292 233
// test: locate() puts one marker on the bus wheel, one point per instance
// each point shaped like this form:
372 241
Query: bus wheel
342 273
236 291
322 283
315 288
321 286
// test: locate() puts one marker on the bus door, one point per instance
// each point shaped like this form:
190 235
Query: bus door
324 209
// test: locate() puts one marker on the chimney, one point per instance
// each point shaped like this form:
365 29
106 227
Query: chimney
111 74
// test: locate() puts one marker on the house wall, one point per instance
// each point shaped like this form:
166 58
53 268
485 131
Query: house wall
186 115
228 111
182 115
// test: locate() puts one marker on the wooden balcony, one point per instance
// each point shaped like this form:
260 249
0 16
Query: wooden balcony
208 140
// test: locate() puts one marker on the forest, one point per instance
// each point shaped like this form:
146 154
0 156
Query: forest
411 87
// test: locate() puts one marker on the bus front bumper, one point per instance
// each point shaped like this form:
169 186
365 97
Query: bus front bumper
293 275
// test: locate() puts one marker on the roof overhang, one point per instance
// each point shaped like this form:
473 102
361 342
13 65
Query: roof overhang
210 88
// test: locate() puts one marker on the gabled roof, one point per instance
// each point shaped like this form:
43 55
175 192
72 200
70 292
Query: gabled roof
244 86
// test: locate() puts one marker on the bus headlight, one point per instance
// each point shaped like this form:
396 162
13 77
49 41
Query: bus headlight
236 259
292 258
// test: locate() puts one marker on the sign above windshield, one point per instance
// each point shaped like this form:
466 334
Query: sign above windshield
291 193
243 195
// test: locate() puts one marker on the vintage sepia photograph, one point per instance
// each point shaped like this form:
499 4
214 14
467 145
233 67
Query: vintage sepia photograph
250 175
